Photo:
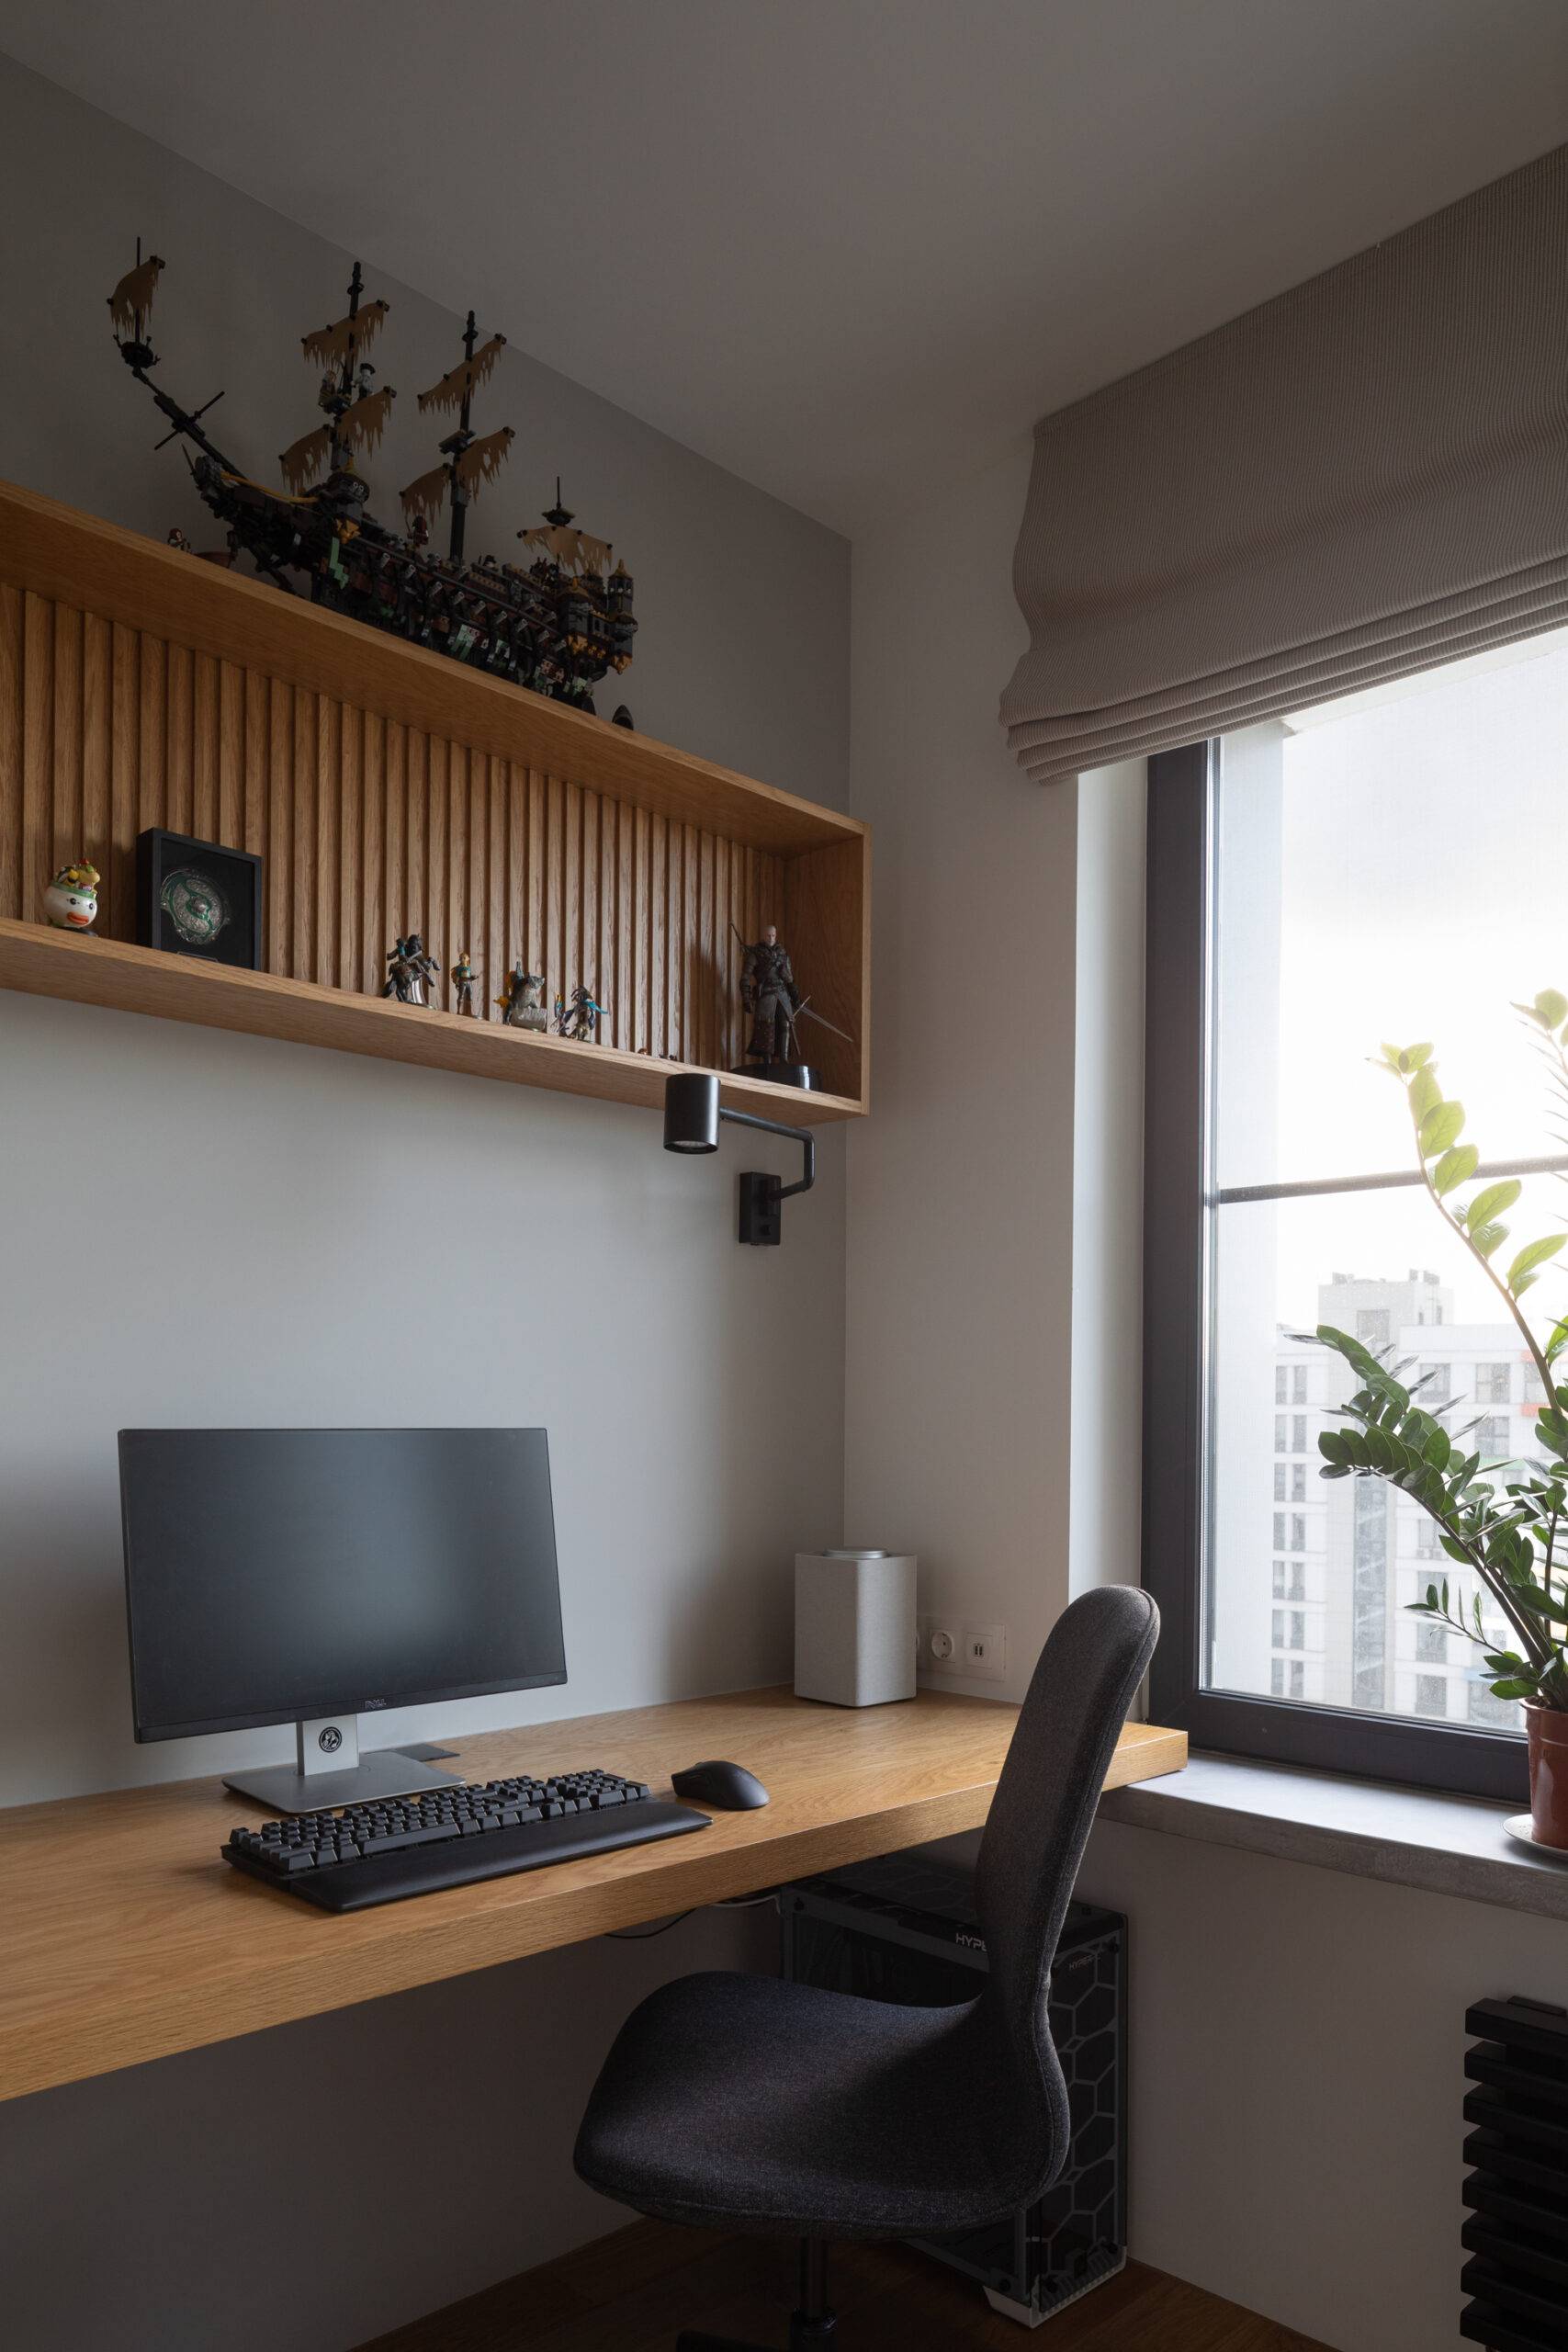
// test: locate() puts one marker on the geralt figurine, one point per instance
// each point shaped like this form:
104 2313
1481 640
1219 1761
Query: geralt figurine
464 981
410 970
578 1018
522 1002
769 994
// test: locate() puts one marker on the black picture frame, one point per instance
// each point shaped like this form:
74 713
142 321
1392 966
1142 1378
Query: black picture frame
175 918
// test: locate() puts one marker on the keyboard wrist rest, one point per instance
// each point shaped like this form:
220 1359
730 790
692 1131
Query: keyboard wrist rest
460 1861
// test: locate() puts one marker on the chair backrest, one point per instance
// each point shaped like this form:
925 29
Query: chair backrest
1043 1809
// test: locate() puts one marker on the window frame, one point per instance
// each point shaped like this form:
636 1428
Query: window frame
1176 1275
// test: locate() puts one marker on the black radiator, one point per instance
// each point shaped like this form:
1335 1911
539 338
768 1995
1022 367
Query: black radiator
905 1929
1516 2231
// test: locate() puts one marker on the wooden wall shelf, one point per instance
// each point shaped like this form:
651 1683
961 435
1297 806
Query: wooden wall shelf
388 789
41 962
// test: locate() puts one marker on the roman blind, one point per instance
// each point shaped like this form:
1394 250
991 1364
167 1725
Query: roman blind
1361 477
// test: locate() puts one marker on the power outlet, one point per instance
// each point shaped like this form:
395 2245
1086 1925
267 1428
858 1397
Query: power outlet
936 1645
983 1652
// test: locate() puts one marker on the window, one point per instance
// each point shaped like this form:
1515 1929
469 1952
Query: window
1291 928
1432 1644
1280 1494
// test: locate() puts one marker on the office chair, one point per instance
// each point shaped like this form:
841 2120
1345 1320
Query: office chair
745 2103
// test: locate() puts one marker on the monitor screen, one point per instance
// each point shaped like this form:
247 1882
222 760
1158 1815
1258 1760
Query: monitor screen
272 1576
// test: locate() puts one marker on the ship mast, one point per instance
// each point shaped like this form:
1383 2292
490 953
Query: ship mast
469 461
457 444
130 312
336 402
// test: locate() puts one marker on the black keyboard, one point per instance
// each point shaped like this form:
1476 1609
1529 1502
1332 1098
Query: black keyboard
449 1837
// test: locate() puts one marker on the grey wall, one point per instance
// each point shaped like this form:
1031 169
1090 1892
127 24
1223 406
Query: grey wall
198 1227
1297 2036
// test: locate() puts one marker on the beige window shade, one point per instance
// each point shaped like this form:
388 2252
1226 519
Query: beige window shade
1362 478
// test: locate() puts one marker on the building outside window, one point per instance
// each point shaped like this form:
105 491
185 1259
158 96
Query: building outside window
1293 929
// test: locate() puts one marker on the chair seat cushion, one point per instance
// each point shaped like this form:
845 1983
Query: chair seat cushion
785 2109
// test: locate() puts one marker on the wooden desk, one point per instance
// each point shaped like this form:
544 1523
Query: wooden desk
123 1936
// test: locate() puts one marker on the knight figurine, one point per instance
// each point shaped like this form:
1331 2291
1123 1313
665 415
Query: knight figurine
409 970
771 997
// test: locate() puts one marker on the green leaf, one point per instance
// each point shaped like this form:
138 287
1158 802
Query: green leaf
1491 1202
1558 1341
1550 1008
1441 1126
1419 1055
1438 1449
1514 1686
1456 1167
1424 1092
1534 1253
1488 1237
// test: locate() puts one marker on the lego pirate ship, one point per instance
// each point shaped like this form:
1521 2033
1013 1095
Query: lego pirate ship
556 623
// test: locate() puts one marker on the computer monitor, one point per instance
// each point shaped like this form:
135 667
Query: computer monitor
313 1576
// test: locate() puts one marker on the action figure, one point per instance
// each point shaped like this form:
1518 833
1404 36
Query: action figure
577 1019
409 971
464 980
769 994
177 539
522 1002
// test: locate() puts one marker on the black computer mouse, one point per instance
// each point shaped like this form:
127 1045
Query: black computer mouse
728 1786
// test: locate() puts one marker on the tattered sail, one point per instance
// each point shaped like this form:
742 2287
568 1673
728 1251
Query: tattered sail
132 298
303 460
484 460
346 338
359 427
577 548
466 378
362 424
426 496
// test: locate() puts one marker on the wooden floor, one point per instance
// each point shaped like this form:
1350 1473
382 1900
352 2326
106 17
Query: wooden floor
634 2291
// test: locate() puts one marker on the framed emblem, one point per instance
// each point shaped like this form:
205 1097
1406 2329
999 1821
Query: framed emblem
198 898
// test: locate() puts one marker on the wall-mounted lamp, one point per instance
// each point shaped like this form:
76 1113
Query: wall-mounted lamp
692 1114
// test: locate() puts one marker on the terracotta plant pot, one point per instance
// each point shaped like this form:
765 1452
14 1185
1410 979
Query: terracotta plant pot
1547 1730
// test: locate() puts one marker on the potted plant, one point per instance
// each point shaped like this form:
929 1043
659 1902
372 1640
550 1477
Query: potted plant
1507 1521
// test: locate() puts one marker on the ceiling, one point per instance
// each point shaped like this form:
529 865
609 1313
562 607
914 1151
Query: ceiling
843 247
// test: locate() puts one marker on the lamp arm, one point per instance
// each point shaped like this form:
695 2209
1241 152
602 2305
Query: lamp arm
802 1135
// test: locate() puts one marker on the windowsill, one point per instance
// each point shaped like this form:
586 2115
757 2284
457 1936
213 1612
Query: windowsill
1445 1845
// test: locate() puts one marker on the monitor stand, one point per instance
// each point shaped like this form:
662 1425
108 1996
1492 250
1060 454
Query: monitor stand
330 1771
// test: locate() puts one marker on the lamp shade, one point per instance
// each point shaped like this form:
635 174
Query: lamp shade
691 1112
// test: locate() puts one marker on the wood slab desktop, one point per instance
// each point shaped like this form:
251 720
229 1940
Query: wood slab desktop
123 1936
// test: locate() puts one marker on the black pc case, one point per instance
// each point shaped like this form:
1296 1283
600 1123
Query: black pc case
905 1929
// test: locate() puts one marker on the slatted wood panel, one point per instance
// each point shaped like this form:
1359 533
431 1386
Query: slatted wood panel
367 825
